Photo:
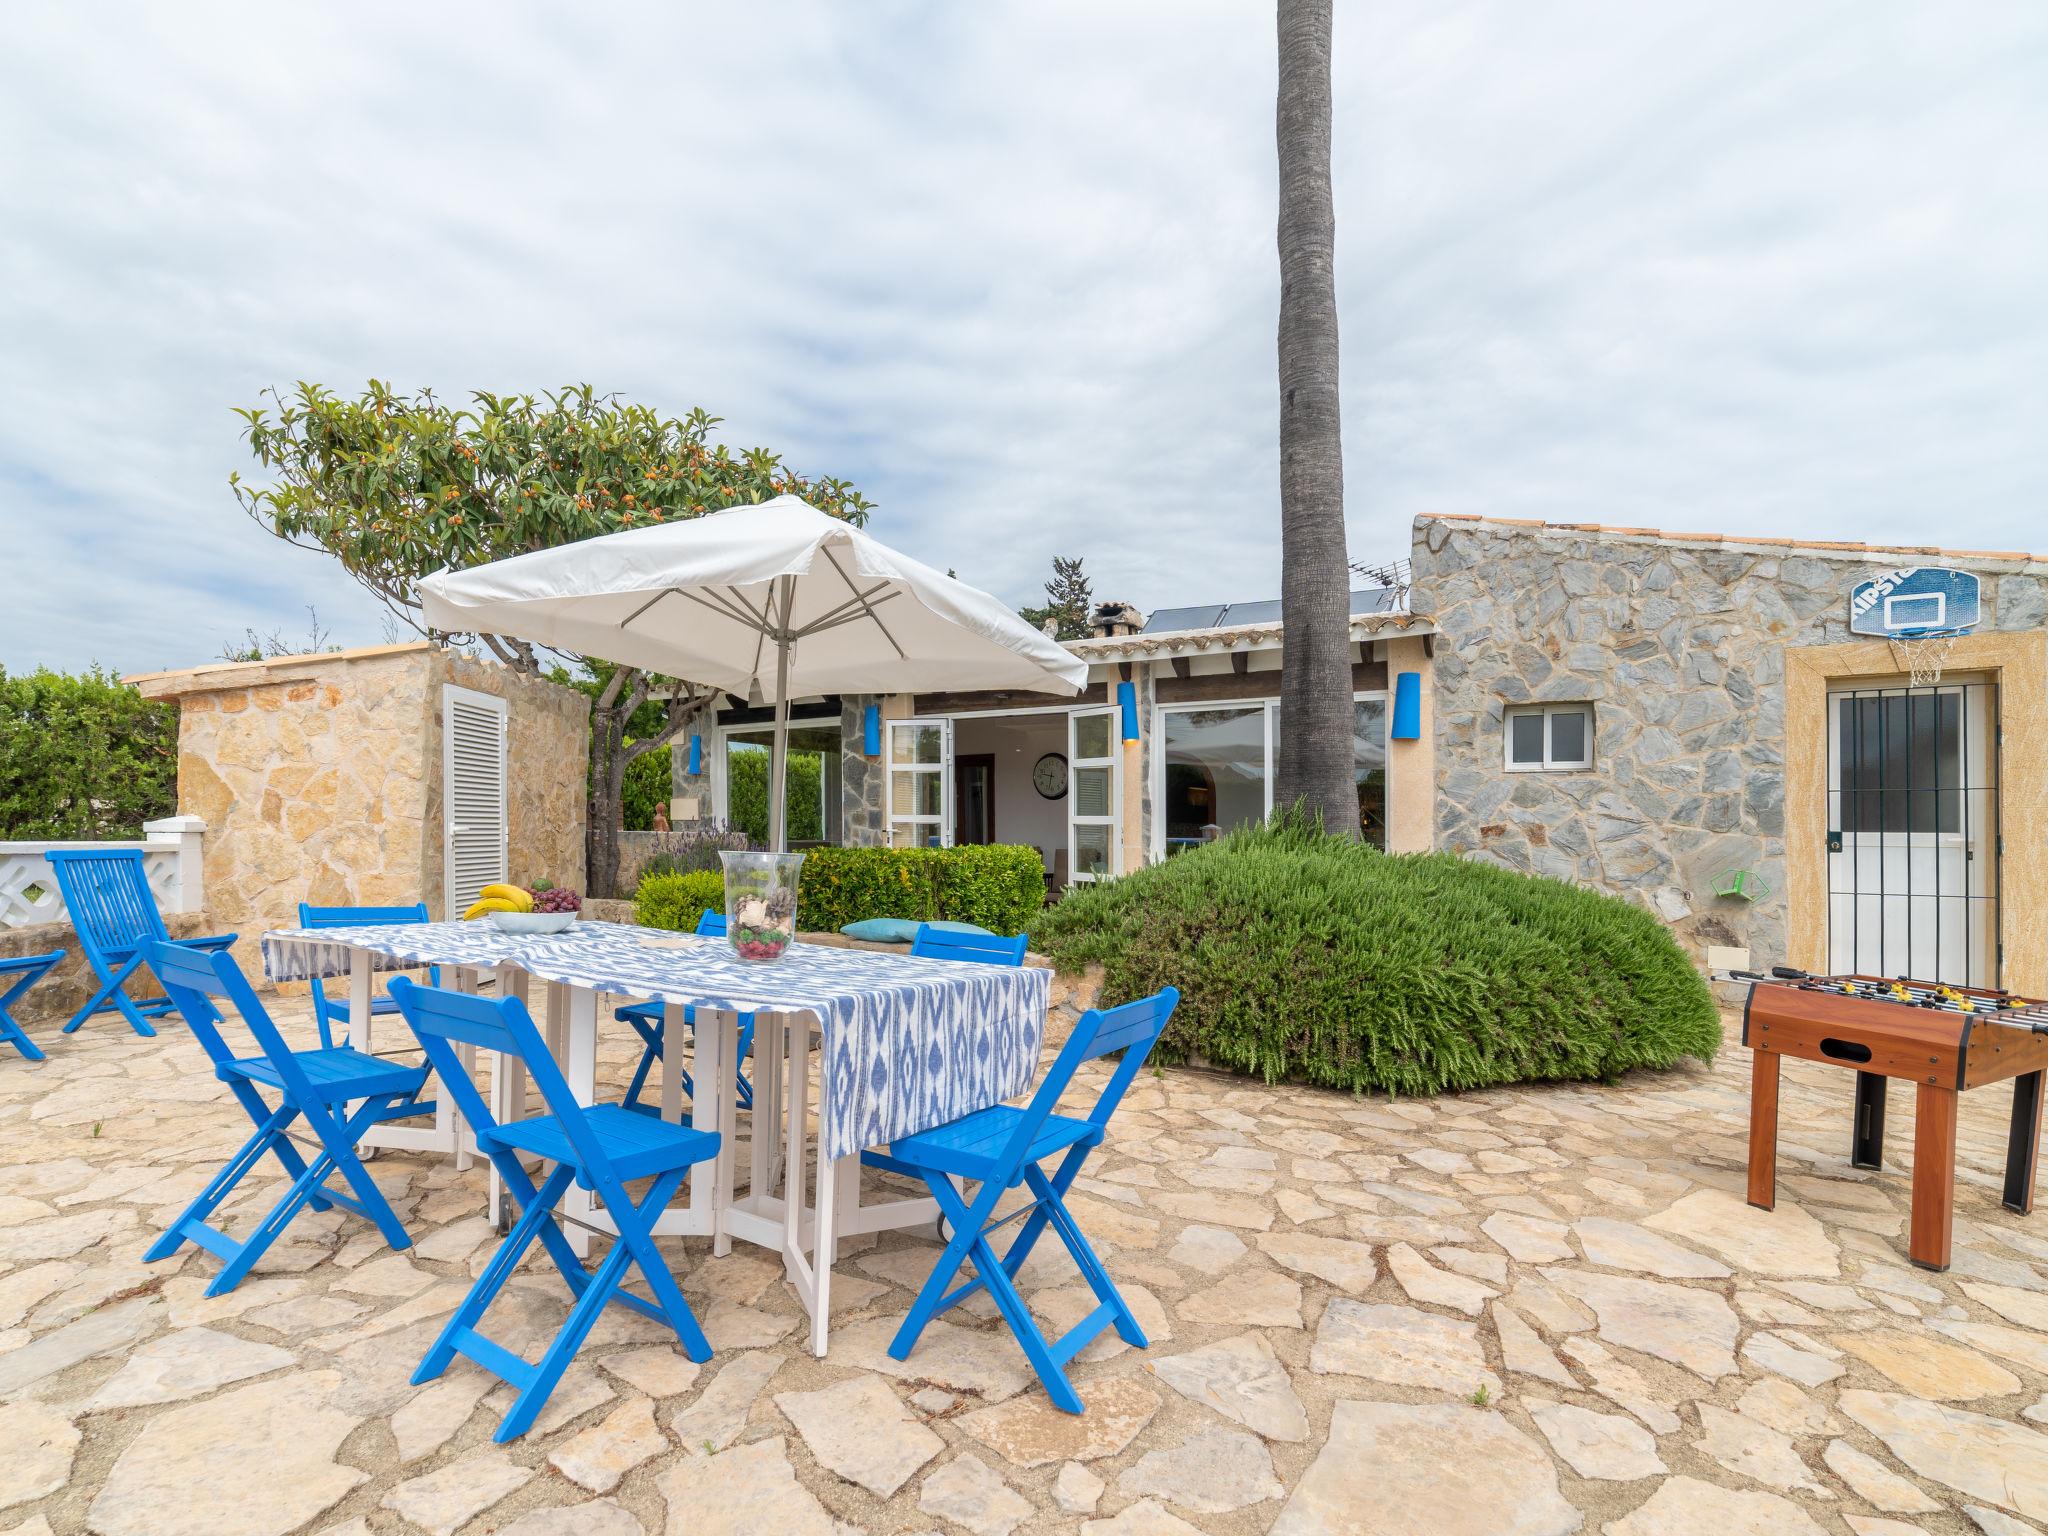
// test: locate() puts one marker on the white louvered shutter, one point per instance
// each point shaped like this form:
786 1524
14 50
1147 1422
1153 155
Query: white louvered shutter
473 799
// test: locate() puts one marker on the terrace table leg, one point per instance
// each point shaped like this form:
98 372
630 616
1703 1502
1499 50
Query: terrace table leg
1763 1129
827 1230
1934 1176
582 1076
359 995
2023 1146
1866 1139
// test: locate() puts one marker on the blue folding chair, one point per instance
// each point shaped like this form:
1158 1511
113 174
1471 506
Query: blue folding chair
315 1086
648 1019
106 892
602 1148
1001 1148
326 1010
28 970
975 948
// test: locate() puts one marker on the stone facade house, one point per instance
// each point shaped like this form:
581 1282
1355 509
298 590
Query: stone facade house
325 778
1763 778
1686 720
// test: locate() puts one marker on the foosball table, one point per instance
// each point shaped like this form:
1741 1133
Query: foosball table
1945 1040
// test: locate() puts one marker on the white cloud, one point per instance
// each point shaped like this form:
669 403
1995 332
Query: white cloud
1747 266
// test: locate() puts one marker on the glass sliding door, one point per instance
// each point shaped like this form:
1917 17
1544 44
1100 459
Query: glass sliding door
1217 768
1094 795
1216 773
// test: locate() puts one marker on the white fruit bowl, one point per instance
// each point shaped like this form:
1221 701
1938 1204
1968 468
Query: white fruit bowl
531 922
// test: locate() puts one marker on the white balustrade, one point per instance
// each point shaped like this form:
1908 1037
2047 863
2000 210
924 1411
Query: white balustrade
171 857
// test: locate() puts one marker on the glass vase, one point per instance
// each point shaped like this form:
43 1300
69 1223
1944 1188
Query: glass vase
760 902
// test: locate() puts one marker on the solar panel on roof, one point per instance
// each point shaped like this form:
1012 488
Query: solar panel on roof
1170 621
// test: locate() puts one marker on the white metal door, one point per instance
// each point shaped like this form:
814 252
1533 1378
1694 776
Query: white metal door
473 753
1912 833
1094 795
921 783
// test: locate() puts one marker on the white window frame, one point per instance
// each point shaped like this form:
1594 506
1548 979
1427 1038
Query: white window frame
1550 763
455 895
1270 705
718 744
942 823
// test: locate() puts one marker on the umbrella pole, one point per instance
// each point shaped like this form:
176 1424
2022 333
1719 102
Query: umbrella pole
778 757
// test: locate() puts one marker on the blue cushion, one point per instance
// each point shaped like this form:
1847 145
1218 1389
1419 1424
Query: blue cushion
882 930
961 928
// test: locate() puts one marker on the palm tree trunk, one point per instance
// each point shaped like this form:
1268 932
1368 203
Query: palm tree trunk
1315 766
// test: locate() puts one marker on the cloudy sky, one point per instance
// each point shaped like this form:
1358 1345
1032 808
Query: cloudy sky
1776 267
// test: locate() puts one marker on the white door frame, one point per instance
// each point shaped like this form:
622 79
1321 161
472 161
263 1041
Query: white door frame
1270 704
1959 866
944 769
1114 762
491 703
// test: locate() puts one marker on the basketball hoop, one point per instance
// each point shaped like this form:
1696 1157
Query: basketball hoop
1921 653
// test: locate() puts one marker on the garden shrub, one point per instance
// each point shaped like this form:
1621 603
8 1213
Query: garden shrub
676 901
83 757
1321 960
997 886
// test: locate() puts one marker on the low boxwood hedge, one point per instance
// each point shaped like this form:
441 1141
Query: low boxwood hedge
677 900
999 887
1325 961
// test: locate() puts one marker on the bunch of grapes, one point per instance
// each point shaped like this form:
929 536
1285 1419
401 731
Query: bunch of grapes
556 898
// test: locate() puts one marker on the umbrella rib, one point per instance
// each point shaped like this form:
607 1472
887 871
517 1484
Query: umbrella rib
850 608
841 616
865 606
629 618
721 606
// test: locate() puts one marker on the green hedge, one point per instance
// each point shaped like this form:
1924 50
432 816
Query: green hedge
647 785
83 757
1324 961
677 901
997 886
1001 888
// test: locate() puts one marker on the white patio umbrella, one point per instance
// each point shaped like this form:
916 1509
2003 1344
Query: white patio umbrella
769 602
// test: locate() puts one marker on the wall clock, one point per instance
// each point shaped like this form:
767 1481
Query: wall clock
1049 776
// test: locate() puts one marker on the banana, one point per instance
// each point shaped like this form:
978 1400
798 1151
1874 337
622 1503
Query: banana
488 904
517 898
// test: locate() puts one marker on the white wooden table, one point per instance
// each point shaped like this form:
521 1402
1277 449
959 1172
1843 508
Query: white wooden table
902 1045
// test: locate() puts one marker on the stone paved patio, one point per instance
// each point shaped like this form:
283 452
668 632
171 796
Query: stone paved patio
1529 1312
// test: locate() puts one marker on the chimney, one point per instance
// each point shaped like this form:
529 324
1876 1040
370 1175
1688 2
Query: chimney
1112 619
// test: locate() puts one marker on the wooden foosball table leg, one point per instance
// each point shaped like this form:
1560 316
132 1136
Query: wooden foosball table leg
1934 1176
1866 1142
2023 1147
1763 1129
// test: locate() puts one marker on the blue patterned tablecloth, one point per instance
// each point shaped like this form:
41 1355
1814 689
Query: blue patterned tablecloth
908 1043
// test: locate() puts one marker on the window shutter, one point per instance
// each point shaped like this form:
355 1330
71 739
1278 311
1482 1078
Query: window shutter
473 802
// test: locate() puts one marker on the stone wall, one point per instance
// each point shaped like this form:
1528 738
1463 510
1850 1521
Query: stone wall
863 780
319 779
309 773
1679 643
66 986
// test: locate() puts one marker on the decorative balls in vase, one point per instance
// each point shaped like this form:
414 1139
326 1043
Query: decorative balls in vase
760 902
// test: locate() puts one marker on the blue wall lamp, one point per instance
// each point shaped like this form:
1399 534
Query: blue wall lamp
1407 706
1127 701
871 730
696 755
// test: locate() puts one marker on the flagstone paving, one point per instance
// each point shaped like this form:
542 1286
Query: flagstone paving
1541 1310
